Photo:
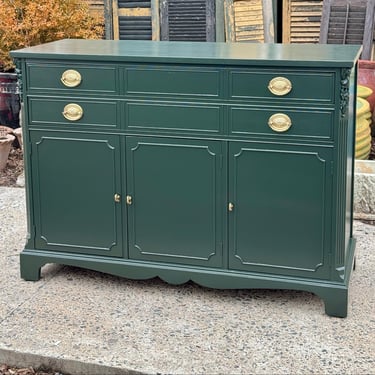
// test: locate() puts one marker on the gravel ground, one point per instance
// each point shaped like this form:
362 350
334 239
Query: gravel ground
13 169
8 370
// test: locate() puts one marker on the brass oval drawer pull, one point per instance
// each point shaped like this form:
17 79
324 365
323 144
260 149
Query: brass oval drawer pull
279 122
73 112
280 86
71 78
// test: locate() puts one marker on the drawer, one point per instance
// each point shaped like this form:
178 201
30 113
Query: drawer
281 122
73 77
174 117
48 112
282 85
173 81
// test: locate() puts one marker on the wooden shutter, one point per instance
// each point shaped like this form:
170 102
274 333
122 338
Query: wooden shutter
192 20
96 8
249 21
301 21
135 19
349 22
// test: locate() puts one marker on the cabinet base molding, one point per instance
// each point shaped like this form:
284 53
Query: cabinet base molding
334 294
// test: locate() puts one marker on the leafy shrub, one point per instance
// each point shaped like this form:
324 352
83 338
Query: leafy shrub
25 23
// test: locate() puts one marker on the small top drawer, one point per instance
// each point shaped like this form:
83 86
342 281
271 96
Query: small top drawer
282 85
73 77
173 81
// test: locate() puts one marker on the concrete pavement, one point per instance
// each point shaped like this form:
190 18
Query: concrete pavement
83 322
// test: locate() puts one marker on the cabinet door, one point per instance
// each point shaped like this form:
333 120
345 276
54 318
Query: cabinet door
75 177
176 210
281 196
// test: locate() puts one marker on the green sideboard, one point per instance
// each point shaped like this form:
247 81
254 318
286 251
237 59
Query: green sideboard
230 165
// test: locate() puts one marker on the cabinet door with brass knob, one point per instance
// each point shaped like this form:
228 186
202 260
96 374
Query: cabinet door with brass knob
281 194
76 192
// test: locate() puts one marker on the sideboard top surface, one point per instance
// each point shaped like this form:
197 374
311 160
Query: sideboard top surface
311 55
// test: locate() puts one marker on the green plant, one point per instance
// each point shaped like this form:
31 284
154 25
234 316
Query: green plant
25 23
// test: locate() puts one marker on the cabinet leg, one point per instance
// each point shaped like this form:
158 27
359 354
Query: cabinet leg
30 268
336 302
354 263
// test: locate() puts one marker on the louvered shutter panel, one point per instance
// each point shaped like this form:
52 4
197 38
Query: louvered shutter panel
349 22
249 21
191 20
135 19
301 21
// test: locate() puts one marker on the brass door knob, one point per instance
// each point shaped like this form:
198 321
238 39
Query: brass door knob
71 78
129 200
280 86
279 122
117 198
73 112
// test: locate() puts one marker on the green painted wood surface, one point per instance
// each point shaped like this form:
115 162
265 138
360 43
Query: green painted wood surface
281 210
306 124
96 113
177 81
177 210
47 77
307 85
197 52
174 117
74 181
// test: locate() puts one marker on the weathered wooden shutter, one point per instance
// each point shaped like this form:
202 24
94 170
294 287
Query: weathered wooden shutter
192 20
96 7
301 21
249 21
349 22
135 19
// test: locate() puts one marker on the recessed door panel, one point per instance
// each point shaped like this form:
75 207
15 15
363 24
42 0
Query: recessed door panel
75 178
281 203
175 205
